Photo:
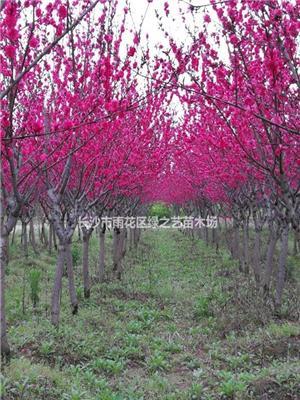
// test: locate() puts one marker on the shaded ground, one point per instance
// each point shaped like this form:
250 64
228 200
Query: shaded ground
181 325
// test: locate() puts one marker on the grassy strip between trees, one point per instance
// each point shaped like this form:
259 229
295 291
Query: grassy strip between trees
183 324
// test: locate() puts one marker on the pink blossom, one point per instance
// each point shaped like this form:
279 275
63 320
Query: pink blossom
195 63
108 38
68 124
37 126
166 8
233 39
13 34
62 12
207 18
10 51
9 152
34 42
131 52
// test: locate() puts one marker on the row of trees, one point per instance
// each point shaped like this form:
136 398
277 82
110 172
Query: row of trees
92 121
79 132
238 147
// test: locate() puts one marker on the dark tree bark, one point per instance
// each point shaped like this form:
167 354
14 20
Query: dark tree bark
50 238
64 225
116 241
5 349
44 237
295 243
56 292
273 237
71 281
24 238
101 253
245 263
121 251
86 235
6 226
54 238
281 274
259 220
236 243
32 236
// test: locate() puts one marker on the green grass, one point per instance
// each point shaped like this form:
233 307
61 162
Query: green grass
182 324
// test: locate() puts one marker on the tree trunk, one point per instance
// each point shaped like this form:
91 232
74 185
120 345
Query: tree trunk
55 300
24 239
40 231
295 244
135 236
121 251
5 229
71 282
206 235
50 238
131 241
32 236
54 238
44 238
139 233
281 268
228 238
246 246
116 240
86 234
236 244
124 239
199 232
13 235
256 255
273 237
101 253
5 350
215 238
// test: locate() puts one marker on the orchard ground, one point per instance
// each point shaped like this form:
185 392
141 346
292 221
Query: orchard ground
182 324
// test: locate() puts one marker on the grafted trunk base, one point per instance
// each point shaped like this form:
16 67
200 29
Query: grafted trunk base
64 256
